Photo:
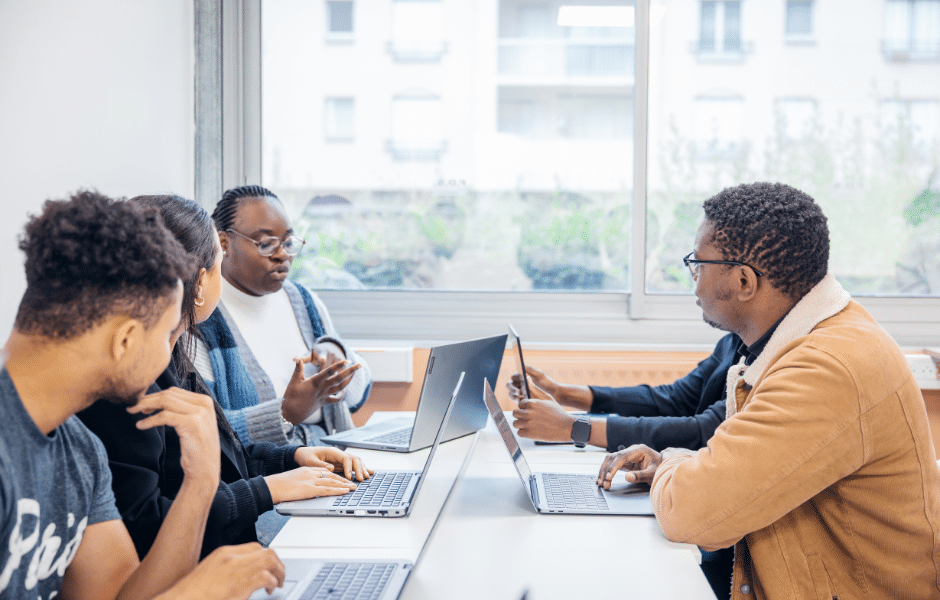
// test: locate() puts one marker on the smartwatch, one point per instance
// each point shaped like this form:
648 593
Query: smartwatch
581 432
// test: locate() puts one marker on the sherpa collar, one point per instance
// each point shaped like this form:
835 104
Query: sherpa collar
827 298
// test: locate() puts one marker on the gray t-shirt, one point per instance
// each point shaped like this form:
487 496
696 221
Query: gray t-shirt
51 488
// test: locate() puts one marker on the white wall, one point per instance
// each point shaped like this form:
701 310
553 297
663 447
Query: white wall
93 94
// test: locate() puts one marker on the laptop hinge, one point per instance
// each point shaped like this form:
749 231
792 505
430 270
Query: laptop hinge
534 490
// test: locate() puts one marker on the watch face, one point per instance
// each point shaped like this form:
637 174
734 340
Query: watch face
581 431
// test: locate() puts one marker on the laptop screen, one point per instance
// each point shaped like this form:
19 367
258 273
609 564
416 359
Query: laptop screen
515 348
437 439
505 430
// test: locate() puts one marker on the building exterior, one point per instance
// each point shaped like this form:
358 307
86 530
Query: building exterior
454 127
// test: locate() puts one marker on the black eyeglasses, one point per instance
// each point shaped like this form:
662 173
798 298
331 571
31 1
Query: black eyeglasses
267 246
693 263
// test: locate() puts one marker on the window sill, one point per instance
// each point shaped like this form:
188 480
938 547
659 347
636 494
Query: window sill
417 53
796 40
339 39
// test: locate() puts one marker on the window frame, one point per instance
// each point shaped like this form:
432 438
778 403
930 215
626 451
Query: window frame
228 153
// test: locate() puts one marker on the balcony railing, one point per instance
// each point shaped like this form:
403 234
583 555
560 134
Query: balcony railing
908 49
566 58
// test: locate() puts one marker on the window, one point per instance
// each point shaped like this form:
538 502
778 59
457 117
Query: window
719 127
912 30
339 19
340 119
910 128
799 20
416 127
796 118
720 28
476 184
417 30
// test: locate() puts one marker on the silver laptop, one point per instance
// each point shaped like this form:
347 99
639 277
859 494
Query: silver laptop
479 359
566 493
384 494
364 579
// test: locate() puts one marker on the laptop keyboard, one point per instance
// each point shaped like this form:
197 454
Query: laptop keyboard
576 492
382 489
402 437
349 581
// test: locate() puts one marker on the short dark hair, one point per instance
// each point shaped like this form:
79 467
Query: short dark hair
227 208
90 257
776 228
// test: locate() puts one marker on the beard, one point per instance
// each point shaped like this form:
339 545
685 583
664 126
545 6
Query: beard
118 392
713 324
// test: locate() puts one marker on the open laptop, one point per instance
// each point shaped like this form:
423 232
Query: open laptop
384 494
479 359
365 579
566 493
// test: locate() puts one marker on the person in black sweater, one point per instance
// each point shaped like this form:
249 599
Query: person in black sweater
682 414
146 465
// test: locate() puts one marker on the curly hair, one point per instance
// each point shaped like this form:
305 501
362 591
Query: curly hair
777 228
90 257
227 208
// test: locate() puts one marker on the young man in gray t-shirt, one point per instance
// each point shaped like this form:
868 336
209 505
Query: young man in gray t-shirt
99 317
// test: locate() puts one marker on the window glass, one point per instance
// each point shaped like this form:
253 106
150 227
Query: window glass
340 119
720 27
417 32
339 17
799 18
489 145
912 30
796 118
826 118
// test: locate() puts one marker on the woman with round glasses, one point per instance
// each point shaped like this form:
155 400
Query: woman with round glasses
270 352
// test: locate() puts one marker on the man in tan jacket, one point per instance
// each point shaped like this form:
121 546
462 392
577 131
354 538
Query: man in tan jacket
823 475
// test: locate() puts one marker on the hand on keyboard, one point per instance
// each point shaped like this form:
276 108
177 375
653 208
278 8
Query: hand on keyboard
306 482
333 459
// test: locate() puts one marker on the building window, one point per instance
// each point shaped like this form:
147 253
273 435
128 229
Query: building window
340 119
720 28
719 127
910 127
912 30
416 128
799 23
796 118
339 20
417 31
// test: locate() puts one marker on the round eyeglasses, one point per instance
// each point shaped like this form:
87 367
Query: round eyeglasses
693 264
268 245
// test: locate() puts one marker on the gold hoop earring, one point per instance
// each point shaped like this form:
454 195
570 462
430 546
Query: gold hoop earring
199 301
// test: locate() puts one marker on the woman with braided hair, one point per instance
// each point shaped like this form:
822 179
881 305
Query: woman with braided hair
270 352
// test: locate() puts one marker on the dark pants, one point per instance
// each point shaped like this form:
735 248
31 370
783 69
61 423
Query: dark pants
718 567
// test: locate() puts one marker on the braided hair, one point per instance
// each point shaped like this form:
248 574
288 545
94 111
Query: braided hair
227 208
776 228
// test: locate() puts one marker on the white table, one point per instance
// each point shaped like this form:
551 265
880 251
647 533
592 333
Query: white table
489 542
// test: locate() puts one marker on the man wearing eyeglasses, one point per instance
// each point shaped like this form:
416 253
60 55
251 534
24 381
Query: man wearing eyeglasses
823 475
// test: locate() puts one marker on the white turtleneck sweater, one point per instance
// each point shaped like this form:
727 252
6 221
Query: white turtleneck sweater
270 329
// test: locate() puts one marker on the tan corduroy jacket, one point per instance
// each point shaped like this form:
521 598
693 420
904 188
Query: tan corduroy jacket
825 478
